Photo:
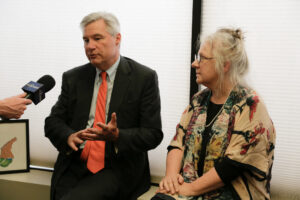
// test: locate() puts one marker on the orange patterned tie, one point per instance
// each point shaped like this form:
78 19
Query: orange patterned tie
94 151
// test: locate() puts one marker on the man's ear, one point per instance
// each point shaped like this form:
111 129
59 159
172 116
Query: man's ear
227 66
118 39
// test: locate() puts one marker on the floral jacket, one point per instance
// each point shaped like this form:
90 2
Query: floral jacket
243 132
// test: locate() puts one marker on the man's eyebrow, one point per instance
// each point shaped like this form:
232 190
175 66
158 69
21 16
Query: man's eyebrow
95 35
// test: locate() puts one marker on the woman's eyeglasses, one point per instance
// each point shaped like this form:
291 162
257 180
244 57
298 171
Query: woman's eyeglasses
200 58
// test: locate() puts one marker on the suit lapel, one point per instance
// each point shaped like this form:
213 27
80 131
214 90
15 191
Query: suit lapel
120 87
85 94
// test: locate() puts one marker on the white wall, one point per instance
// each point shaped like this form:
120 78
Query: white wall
43 37
273 46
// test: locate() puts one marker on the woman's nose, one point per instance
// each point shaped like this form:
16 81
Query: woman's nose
195 64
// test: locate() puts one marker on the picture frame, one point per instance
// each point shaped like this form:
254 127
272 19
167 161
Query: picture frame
14 146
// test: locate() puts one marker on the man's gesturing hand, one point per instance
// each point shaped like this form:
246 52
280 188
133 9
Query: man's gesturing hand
75 139
106 132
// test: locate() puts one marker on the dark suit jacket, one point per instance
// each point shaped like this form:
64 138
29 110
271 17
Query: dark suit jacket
135 98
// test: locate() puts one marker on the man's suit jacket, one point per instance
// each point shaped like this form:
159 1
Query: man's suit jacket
135 99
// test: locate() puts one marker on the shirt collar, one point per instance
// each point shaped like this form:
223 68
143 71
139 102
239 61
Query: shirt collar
111 72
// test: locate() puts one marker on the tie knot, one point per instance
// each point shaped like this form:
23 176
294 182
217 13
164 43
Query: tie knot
103 75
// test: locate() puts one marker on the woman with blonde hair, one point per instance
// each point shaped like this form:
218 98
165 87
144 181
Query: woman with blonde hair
224 144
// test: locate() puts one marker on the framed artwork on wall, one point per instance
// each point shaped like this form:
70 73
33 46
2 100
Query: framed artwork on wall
14 146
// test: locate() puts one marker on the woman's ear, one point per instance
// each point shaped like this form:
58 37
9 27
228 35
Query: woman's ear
227 66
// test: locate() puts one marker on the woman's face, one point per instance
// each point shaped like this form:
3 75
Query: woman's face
205 66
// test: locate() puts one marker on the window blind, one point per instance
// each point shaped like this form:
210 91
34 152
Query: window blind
43 37
273 46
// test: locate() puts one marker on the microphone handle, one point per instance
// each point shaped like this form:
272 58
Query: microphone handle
28 96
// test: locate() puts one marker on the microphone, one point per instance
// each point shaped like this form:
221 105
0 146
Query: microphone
36 90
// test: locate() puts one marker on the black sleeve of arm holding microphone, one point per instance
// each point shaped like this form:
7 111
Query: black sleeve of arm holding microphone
56 127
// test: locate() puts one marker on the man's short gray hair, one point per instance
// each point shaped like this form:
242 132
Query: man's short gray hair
111 21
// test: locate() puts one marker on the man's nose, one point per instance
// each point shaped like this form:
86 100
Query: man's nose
90 45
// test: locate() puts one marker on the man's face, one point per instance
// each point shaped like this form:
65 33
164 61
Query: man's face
101 48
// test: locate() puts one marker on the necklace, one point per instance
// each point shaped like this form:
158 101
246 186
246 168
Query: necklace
215 117
219 111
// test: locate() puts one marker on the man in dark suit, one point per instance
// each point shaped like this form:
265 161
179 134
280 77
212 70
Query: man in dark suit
132 125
